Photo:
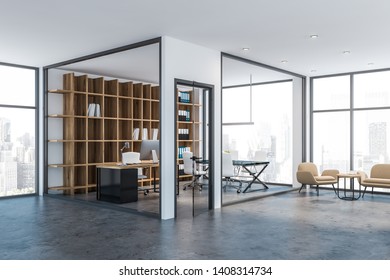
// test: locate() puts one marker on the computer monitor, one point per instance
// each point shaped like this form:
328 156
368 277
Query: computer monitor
147 146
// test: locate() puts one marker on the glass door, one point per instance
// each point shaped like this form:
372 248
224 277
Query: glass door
194 183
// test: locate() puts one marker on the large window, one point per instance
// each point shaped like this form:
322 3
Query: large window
351 120
331 122
371 137
268 130
18 121
331 140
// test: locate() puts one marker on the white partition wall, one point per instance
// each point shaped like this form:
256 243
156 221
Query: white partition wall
298 136
186 61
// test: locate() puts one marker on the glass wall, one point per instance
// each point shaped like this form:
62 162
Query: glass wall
18 123
124 84
351 120
268 130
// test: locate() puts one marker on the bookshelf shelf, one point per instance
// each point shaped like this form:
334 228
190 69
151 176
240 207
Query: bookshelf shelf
89 137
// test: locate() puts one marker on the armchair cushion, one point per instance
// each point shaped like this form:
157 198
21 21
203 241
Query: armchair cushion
324 179
377 181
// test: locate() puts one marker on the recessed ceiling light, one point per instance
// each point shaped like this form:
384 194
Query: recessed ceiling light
284 61
313 36
245 49
346 52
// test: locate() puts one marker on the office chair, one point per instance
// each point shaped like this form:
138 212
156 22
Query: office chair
190 169
234 154
228 173
259 156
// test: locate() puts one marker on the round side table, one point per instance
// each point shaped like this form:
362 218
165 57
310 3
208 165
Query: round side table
353 194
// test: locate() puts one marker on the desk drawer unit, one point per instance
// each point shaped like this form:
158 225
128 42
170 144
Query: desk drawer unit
117 185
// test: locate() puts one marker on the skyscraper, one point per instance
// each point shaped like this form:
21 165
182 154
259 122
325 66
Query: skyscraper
5 130
377 139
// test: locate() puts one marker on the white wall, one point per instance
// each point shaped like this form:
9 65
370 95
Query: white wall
297 127
307 120
183 60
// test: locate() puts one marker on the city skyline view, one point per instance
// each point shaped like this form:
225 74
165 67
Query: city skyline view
17 131
17 160
350 120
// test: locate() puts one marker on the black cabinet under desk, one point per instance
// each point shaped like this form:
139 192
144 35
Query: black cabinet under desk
118 185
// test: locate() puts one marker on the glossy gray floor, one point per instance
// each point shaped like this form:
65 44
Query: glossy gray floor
286 226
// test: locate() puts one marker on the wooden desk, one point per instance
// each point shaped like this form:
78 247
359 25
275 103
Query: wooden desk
119 183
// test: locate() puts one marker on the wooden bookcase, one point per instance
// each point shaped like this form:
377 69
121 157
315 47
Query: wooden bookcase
92 139
189 126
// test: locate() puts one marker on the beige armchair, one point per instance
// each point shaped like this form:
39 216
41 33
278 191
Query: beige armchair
307 174
379 177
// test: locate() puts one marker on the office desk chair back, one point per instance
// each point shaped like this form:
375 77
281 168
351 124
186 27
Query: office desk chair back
191 169
228 173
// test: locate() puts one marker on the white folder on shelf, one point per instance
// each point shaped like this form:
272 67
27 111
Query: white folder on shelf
154 133
91 110
145 134
97 110
154 156
136 134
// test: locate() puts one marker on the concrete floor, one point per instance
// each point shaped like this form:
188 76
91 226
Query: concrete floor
150 204
289 226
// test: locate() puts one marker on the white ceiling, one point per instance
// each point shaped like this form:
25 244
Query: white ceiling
43 32
236 72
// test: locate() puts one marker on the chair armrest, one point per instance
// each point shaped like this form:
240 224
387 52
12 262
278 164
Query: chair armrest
362 176
306 178
330 172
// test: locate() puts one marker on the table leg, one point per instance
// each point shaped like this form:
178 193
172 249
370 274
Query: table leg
255 177
352 190
154 178
97 183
